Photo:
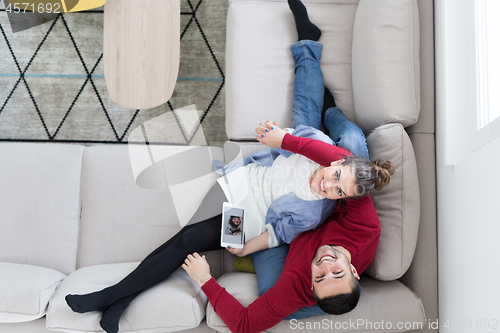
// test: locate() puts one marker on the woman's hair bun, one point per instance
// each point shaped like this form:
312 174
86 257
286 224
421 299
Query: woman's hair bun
384 170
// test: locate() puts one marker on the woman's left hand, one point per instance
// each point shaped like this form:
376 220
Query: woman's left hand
270 134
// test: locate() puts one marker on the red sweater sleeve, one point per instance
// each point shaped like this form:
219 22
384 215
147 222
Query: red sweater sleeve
360 211
320 152
361 223
265 312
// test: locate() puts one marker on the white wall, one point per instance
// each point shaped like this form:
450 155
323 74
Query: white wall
469 237
468 185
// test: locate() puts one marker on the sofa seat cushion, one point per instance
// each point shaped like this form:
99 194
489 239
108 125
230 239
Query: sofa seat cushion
397 204
25 291
401 305
233 283
259 64
173 305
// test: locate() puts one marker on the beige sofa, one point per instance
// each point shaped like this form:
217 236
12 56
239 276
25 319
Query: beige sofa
73 218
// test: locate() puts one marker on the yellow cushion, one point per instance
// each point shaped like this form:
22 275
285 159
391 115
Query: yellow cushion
244 264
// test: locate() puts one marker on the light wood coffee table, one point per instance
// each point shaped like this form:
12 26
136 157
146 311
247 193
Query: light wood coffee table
141 51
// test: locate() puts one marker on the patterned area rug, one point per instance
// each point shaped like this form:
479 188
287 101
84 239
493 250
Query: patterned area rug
52 86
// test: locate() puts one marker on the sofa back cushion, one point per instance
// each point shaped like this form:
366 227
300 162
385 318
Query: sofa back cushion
120 221
370 61
385 63
259 64
40 204
397 204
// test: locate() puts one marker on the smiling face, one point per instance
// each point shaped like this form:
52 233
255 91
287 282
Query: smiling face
334 182
236 220
332 272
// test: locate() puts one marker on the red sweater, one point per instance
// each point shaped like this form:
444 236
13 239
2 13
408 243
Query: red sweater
355 226
320 152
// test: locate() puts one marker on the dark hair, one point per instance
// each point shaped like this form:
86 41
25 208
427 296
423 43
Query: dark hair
231 221
342 303
369 175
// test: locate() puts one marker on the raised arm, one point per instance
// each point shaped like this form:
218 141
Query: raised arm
265 312
320 152
360 211
360 221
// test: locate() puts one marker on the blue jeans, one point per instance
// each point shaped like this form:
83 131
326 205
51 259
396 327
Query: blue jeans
308 100
307 105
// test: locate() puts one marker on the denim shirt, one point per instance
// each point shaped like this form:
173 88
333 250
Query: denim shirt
282 222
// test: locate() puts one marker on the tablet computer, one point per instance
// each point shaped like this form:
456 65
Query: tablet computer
232 225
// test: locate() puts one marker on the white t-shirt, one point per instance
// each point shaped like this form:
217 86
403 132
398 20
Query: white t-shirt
256 187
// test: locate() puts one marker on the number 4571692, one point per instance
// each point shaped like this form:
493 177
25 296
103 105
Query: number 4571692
478 324
40 8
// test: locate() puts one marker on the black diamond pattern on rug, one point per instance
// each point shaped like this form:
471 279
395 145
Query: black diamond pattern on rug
56 92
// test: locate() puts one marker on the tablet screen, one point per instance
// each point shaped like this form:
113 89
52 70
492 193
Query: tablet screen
232 226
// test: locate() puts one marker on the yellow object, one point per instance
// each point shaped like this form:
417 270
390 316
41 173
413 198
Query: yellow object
86 5
244 264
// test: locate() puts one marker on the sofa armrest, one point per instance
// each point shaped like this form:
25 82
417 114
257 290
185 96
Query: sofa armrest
421 277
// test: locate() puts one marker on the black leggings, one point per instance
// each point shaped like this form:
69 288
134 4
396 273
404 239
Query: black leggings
157 266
